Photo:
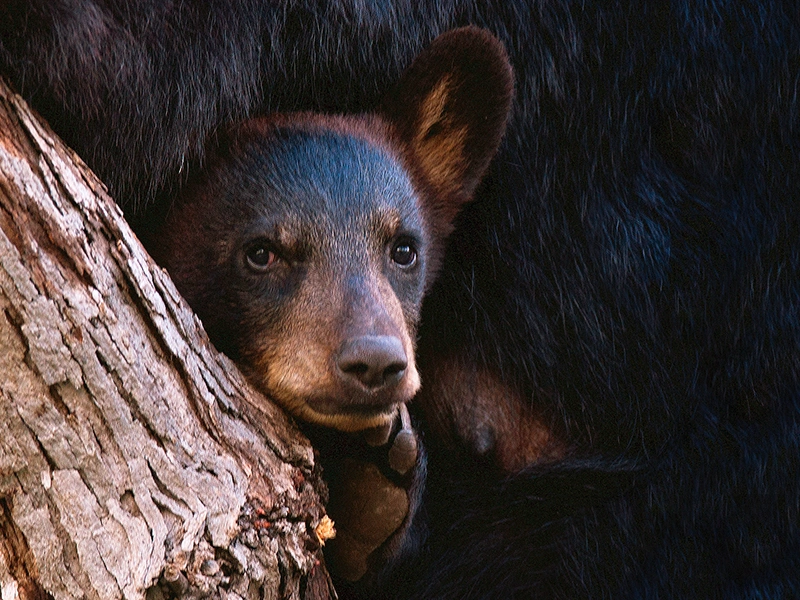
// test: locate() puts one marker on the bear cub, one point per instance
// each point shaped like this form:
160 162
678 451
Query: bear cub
307 241
306 244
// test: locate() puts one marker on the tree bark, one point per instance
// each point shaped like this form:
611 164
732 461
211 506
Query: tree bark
135 461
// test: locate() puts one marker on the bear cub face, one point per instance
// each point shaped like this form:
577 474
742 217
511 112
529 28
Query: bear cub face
306 243
304 250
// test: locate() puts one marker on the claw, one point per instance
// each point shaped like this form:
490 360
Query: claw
405 418
403 453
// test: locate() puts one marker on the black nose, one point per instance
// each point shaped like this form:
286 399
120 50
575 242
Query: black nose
374 361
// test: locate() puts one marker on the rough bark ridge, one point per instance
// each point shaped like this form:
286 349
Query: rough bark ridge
134 460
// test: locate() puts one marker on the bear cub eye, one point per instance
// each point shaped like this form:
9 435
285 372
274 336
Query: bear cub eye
404 253
260 256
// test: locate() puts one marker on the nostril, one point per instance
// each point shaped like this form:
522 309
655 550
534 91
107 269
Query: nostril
394 369
357 369
373 361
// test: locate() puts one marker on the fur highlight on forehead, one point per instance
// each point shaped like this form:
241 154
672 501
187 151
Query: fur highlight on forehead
371 128
310 181
345 158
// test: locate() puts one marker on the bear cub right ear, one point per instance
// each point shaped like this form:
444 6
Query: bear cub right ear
450 110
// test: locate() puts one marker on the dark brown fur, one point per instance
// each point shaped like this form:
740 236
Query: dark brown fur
496 423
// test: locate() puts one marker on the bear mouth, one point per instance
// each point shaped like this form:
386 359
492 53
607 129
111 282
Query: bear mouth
349 418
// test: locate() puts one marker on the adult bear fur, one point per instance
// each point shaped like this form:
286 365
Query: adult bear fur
628 276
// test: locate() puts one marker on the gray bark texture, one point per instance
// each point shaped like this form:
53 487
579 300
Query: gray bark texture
135 461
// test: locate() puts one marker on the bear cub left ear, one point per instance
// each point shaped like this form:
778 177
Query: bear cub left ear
450 110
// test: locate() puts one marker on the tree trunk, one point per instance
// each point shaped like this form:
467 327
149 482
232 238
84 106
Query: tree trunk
135 462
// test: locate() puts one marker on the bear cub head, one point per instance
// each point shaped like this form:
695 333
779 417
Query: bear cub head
307 241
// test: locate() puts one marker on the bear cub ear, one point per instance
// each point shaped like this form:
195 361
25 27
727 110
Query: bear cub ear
450 110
